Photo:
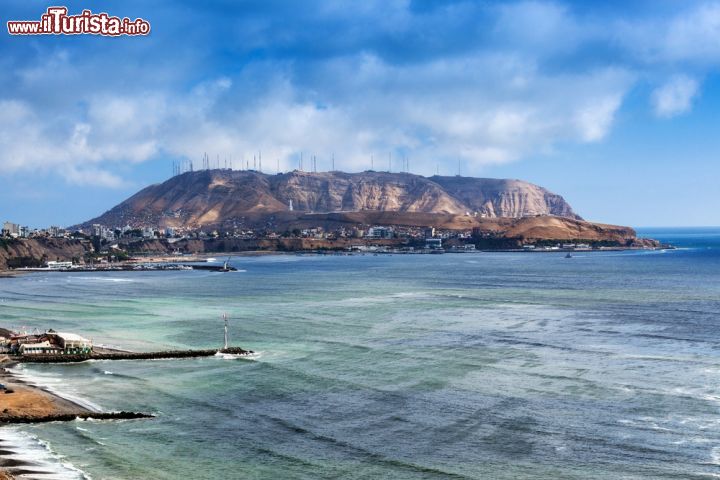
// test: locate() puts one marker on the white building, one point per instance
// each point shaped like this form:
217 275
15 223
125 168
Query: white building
11 229
380 232
71 343
55 231
53 265
41 348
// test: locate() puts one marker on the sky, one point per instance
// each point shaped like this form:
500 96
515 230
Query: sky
612 104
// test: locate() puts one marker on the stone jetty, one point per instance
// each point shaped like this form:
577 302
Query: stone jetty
123 355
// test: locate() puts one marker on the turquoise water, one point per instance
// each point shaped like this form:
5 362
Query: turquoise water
502 365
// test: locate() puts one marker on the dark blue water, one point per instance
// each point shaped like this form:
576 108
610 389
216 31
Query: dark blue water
503 366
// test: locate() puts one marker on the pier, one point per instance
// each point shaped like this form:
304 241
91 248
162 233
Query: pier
107 354
130 267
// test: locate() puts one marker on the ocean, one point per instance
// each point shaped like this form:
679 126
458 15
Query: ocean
478 365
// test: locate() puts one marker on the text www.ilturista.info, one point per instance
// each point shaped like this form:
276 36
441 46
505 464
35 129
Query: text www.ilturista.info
56 21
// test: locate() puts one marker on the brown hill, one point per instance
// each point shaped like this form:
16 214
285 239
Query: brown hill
216 197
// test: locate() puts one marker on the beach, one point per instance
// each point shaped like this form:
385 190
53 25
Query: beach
21 401
24 403
27 403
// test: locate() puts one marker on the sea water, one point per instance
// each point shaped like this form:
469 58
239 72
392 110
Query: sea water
477 365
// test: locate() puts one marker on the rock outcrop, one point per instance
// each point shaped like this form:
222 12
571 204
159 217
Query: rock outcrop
494 197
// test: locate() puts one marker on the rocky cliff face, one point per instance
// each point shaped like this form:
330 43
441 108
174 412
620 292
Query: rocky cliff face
216 196
34 252
505 198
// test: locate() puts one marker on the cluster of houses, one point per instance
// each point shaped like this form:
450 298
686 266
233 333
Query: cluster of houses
15 230
111 234
48 343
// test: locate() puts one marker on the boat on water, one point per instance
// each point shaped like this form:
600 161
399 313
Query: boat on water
568 255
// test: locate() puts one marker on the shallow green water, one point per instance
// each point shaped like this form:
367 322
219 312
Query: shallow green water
430 366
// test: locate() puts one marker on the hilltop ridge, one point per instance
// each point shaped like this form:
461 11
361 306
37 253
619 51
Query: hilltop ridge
216 197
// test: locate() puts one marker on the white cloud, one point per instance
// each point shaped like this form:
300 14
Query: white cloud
79 148
594 119
675 97
487 85
540 27
435 112
695 35
690 38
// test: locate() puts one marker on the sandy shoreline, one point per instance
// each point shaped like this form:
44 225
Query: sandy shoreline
28 402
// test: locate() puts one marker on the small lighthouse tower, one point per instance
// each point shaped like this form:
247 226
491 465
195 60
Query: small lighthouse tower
225 319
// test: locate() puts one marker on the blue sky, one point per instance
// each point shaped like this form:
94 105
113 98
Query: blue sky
613 105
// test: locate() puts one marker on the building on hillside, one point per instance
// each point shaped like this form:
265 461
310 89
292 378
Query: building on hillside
380 232
57 232
11 229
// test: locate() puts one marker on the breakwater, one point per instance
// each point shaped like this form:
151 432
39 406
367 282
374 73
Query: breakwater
68 417
121 355
130 267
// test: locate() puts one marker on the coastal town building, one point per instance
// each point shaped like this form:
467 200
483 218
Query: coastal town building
57 265
380 232
11 229
70 343
433 243
40 348
48 343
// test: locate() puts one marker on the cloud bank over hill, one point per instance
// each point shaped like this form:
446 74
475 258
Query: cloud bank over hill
441 83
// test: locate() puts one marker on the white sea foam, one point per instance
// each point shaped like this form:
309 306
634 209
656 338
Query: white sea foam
38 455
100 279
233 356
49 382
